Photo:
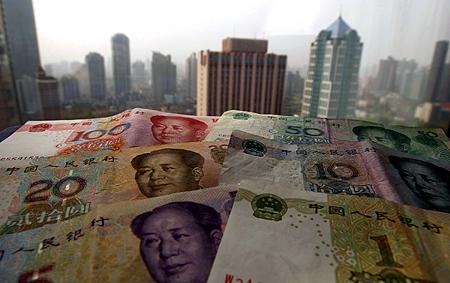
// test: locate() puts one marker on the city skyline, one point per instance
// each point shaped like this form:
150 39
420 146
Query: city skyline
274 22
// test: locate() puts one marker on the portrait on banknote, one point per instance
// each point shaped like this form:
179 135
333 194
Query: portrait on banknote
386 137
168 171
178 241
428 182
176 129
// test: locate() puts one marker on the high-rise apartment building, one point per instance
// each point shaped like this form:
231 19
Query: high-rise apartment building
243 76
70 88
387 74
139 74
121 63
24 55
49 92
97 78
164 76
191 76
332 80
294 84
9 110
445 85
405 69
434 87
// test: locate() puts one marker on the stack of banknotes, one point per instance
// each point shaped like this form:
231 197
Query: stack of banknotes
147 196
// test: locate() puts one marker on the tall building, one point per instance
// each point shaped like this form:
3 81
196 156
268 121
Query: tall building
243 76
387 74
9 110
24 55
445 87
97 78
139 74
164 76
191 76
436 74
293 93
332 82
294 84
48 89
412 84
70 88
405 69
121 63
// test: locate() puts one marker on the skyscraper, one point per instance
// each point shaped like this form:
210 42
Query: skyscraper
121 63
9 110
445 87
70 88
243 76
332 80
433 92
164 76
294 84
386 77
49 92
191 75
97 78
24 54
139 74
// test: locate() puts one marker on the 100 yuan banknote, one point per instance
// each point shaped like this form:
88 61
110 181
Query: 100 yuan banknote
167 239
136 127
279 235
59 188
354 168
431 143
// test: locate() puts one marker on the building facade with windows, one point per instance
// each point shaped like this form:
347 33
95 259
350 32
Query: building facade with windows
121 63
49 92
97 78
332 80
243 77
9 110
24 55
164 77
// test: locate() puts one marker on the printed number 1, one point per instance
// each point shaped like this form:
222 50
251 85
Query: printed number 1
387 258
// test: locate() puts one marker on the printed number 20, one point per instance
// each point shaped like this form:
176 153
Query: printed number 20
39 194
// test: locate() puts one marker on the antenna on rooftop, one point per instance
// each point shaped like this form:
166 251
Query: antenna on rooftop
340 11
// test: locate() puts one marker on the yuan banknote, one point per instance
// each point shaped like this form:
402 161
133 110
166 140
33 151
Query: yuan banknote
354 168
280 235
59 188
168 239
432 143
136 127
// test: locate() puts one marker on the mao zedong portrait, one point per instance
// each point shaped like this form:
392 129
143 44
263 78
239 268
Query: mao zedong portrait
167 171
428 182
386 137
176 129
179 241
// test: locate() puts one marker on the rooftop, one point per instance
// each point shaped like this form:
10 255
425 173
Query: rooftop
338 28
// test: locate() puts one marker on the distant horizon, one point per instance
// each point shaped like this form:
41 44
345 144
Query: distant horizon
409 29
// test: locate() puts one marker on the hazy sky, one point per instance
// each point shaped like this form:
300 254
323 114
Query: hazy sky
69 29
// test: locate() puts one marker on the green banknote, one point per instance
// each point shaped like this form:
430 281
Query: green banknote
431 143
354 168
166 239
281 235
59 188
